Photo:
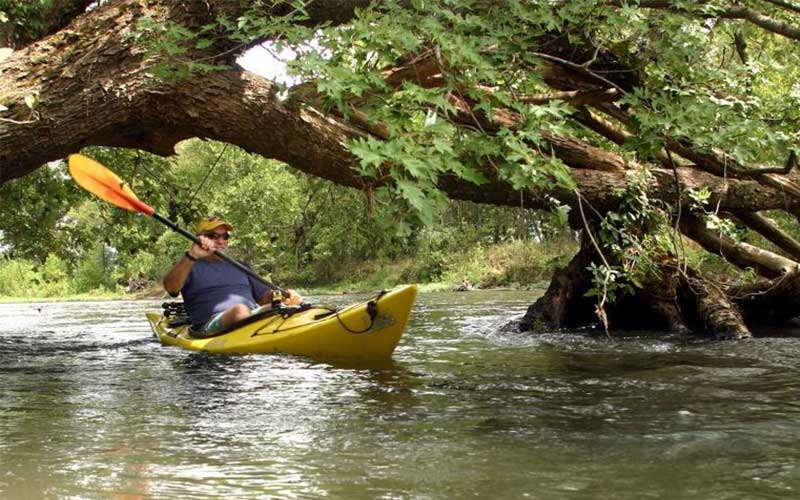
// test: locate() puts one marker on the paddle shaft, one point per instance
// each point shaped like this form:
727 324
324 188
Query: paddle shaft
238 265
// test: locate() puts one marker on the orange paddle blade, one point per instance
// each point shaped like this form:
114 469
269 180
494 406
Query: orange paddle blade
105 184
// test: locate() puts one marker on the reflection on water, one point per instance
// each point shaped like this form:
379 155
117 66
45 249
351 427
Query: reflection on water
91 406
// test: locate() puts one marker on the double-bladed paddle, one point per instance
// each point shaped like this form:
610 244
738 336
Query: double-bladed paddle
103 183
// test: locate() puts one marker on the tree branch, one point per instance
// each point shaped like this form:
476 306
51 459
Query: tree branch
720 163
785 5
771 231
738 253
52 17
573 97
760 20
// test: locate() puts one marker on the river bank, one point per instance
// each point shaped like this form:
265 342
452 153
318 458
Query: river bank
514 265
155 292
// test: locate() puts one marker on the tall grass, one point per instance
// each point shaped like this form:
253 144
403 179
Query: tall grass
513 263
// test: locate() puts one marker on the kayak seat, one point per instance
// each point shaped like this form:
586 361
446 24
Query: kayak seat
176 313
176 309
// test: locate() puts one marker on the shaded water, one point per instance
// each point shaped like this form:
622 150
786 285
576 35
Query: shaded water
91 406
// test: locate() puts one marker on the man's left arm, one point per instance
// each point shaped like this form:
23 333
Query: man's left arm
264 295
266 298
261 292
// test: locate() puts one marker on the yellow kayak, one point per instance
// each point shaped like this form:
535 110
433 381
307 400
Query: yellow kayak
370 330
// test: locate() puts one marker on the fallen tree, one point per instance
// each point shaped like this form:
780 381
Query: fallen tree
595 106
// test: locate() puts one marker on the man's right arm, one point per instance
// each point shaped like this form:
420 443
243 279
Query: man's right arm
176 277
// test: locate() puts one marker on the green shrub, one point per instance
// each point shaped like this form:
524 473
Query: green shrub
19 278
95 271
512 263
54 269
55 277
426 267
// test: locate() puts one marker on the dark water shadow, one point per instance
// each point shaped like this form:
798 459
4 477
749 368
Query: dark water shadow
214 365
46 343
597 363
203 363
787 329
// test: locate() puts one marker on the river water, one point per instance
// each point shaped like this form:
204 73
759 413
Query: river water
92 406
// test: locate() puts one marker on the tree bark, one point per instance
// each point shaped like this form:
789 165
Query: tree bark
710 308
564 304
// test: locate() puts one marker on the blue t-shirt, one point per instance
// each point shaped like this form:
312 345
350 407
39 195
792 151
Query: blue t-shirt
214 286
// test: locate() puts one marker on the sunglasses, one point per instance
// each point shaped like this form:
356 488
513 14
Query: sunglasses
217 236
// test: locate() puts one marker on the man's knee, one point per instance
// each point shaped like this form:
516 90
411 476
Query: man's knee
238 312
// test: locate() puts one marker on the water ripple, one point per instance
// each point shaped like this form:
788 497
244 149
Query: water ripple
91 406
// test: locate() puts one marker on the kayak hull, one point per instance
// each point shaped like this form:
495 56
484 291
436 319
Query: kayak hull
348 333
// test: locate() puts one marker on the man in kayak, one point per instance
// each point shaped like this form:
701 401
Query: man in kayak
215 293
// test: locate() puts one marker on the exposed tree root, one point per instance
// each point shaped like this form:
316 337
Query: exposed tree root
675 300
710 309
564 303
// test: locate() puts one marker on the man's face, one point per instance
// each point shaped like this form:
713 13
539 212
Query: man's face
219 236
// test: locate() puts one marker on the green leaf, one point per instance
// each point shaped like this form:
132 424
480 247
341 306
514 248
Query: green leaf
417 168
416 197
204 43
563 177
368 152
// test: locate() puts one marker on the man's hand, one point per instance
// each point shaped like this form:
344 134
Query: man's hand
204 249
292 298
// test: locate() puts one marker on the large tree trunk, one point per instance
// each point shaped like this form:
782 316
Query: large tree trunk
564 304
90 83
